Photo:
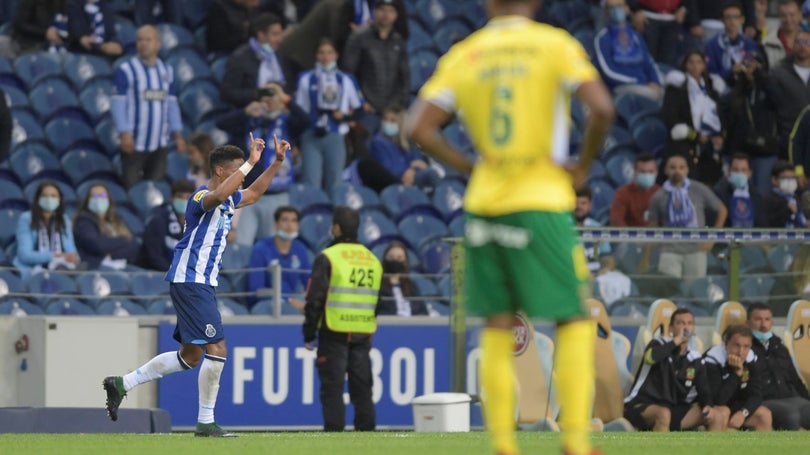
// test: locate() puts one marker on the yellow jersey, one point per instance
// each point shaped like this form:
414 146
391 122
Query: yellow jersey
511 84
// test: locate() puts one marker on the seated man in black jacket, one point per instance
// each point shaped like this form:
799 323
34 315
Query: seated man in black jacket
783 208
671 382
165 229
783 391
735 380
742 198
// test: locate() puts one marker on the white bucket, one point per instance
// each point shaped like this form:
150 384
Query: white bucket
441 412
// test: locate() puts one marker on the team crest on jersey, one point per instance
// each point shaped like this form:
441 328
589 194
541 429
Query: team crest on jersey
210 331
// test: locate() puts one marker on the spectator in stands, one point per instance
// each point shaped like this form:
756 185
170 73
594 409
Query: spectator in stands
44 234
783 208
764 23
378 59
691 112
784 392
611 284
661 23
793 284
200 145
271 114
746 207
593 251
731 52
631 200
91 28
671 390
789 88
398 295
331 98
150 12
38 25
165 229
393 159
623 58
735 381
102 238
285 250
229 25
799 148
779 43
145 110
256 64
711 14
682 202
6 126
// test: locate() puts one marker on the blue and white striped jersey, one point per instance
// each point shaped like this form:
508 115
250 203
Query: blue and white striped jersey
145 103
198 256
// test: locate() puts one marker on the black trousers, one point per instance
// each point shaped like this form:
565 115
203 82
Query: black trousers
137 166
336 358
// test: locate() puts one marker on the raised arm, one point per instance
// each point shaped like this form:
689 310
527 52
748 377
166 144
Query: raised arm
231 184
252 193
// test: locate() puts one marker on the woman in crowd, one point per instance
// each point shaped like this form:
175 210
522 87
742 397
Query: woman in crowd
102 238
398 295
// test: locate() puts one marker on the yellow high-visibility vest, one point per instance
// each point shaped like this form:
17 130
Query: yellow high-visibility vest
353 288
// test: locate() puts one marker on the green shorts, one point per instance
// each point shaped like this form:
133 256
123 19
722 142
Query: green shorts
530 261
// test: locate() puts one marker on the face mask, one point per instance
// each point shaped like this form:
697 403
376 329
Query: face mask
179 206
763 337
618 15
738 180
48 203
327 67
390 129
288 236
390 266
645 180
267 48
272 115
99 205
788 186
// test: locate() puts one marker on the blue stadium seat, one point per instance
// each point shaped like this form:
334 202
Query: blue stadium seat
11 304
445 286
586 36
456 135
400 201
25 127
120 307
597 170
753 260
376 229
573 15
51 95
125 33
650 134
81 164
47 283
10 282
144 284
310 199
188 66
432 12
601 194
15 97
95 99
230 307
262 308
418 38
756 289
632 107
12 80
418 230
617 138
32 159
177 166
31 68
628 309
780 257
449 32
195 17
134 223
354 196
435 257
116 192
620 166
173 36
314 229
98 285
6 66
437 308
148 194
161 306
199 98
68 194
218 68
68 307
709 291
68 133
219 136
12 195
107 136
475 13
236 257
80 68
456 226
448 198
421 63
425 286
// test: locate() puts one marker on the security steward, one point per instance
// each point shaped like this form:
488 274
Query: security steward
340 312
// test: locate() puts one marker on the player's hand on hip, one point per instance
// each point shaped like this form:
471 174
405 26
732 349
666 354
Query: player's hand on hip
281 148
256 149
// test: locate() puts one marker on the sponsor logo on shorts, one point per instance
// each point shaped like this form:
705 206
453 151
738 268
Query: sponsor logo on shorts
520 331
480 232
210 331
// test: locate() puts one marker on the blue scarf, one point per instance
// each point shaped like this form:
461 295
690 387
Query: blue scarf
627 48
362 13
92 9
680 210
733 52
797 219
741 209
269 69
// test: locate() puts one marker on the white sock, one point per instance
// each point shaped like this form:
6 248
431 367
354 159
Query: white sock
208 382
159 366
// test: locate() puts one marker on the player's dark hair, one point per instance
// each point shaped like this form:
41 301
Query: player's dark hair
224 154
737 330
758 306
182 186
262 22
349 221
678 312
286 209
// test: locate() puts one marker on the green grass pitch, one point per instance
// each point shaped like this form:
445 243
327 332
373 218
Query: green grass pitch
400 443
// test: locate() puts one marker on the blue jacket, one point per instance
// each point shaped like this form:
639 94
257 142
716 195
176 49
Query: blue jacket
634 67
27 240
391 155
93 245
719 47
265 253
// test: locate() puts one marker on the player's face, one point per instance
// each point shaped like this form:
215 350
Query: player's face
761 320
739 345
682 322
677 169
147 42
326 55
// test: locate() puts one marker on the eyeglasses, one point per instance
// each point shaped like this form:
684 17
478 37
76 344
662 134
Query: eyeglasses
98 195
806 42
